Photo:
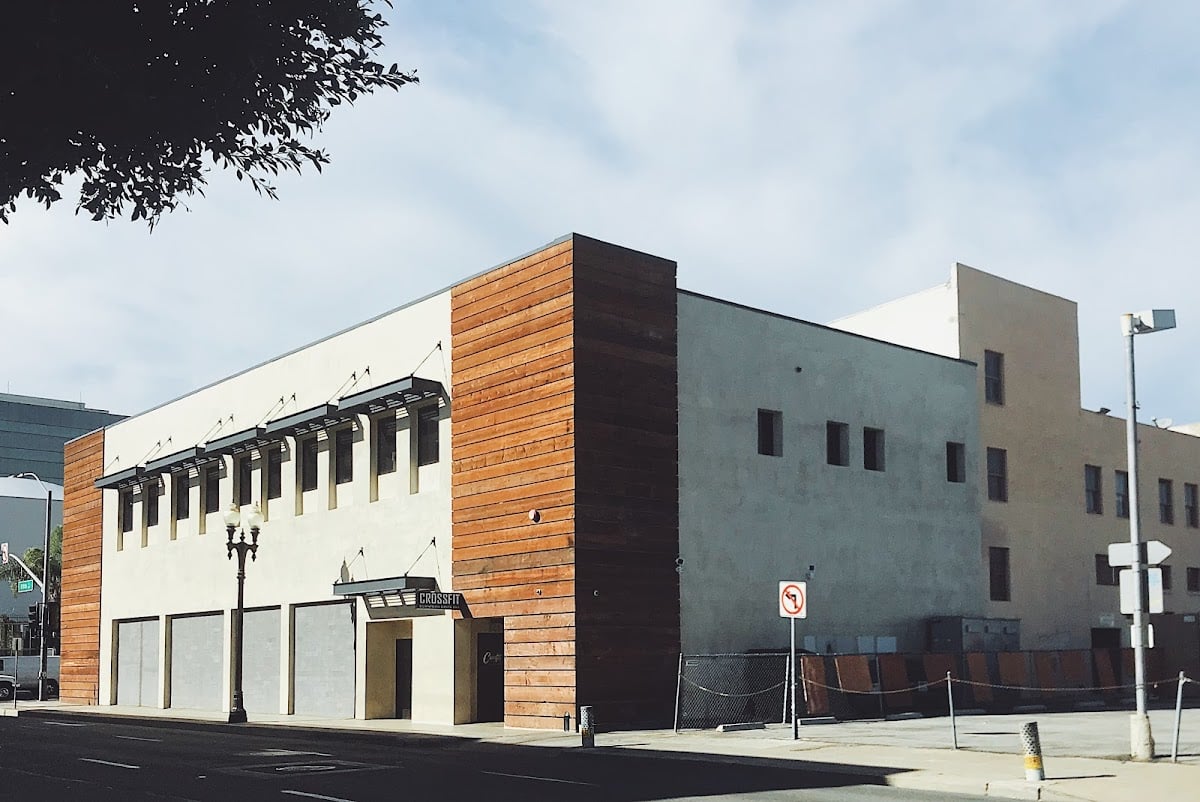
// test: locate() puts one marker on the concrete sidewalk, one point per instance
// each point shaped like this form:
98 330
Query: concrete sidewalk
1084 752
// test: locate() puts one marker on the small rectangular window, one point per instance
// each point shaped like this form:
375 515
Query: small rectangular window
343 453
837 443
212 489
998 576
1166 576
1193 580
770 433
274 471
385 445
1121 492
1191 505
997 474
150 494
1166 501
308 464
182 496
245 480
1105 573
428 439
873 449
993 377
956 462
126 510
1093 499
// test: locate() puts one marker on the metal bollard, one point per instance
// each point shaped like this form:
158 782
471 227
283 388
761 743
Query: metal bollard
1034 772
566 722
587 726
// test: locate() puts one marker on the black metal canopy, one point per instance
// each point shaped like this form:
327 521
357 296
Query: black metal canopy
393 395
125 478
306 420
396 591
238 441
179 460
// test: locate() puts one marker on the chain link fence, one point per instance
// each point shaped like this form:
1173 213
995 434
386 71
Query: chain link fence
717 689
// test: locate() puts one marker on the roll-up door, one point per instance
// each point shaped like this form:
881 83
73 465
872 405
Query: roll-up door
137 663
324 660
260 674
196 660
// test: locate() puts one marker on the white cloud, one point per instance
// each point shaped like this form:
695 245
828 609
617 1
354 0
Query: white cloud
810 158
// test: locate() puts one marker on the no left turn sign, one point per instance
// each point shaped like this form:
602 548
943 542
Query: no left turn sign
793 599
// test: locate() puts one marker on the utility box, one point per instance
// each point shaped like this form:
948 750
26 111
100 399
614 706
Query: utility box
957 634
1176 646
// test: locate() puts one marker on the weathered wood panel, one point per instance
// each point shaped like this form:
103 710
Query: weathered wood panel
627 482
79 668
513 381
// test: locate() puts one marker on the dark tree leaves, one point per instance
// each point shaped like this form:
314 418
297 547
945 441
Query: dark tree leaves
142 98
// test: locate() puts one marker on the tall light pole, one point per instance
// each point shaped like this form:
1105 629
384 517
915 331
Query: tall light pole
45 585
1141 741
237 711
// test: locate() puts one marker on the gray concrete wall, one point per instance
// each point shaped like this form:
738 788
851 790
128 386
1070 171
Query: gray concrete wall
890 548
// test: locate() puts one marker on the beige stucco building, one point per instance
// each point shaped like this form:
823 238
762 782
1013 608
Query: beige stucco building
1052 475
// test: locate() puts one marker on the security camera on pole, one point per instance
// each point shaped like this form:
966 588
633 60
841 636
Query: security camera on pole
793 604
1141 742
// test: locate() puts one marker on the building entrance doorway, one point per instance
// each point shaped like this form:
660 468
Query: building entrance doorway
489 676
404 678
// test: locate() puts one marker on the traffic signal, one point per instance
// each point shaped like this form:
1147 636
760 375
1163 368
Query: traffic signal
35 613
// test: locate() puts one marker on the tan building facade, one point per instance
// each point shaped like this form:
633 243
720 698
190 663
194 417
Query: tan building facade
1051 473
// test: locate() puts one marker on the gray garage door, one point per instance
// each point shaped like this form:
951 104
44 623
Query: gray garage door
260 674
137 663
196 659
324 660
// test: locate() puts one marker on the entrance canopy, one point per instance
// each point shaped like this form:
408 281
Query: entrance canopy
409 595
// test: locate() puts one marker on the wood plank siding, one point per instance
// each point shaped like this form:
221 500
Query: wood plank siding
565 402
79 668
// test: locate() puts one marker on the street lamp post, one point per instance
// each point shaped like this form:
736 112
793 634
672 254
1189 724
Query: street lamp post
1141 741
45 586
237 712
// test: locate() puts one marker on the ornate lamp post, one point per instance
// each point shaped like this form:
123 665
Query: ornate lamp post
233 518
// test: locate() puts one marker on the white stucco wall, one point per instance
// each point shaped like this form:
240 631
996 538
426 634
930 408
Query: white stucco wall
927 320
172 570
889 548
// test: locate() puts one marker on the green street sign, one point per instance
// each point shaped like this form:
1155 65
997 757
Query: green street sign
24 585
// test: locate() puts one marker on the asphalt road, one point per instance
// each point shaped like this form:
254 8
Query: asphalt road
46 756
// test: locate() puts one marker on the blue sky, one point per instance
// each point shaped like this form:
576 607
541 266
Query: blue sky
813 159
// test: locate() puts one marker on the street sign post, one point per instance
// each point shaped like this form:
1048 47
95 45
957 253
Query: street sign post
1154 588
793 604
1126 553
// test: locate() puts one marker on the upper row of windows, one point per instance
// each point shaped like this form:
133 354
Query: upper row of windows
385 462
837 445
1093 496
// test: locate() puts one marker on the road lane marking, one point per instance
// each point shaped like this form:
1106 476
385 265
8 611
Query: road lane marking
109 763
529 777
285 753
131 737
62 723
318 796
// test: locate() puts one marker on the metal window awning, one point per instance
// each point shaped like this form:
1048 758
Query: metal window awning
238 441
393 395
313 419
400 592
121 479
187 458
